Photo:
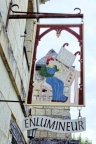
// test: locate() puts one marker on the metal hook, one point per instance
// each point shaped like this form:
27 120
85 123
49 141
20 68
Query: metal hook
78 52
65 44
79 114
14 6
78 9
82 21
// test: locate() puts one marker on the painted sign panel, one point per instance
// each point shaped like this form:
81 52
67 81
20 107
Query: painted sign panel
55 79
59 77
54 125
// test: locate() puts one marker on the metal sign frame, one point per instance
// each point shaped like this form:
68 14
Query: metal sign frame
58 28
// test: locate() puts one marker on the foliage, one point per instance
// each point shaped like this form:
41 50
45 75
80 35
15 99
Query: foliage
81 140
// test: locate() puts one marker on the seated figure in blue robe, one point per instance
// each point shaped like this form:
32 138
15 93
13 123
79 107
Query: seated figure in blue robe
56 84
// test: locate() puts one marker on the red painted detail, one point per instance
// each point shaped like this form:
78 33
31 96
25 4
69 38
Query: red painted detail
78 52
62 28
65 44
81 89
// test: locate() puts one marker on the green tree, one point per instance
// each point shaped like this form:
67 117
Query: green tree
81 140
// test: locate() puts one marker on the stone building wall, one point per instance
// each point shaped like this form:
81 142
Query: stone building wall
14 72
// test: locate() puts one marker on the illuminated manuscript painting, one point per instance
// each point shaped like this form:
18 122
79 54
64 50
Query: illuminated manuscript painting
54 79
57 75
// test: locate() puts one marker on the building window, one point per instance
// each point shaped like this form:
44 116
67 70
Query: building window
15 134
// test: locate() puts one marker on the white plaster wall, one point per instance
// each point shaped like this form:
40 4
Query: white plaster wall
5 115
14 74
12 44
7 92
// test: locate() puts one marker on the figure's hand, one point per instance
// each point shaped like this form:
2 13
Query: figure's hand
56 73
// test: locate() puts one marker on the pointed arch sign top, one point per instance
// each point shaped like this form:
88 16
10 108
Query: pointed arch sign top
59 31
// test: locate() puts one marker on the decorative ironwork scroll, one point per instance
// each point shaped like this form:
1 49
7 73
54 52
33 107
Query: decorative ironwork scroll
37 15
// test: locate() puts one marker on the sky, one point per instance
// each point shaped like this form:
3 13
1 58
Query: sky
88 8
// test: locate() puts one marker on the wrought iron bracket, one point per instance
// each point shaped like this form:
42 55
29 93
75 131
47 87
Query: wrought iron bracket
12 101
38 15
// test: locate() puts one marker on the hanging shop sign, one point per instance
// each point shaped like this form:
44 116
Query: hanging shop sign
59 77
54 125
58 84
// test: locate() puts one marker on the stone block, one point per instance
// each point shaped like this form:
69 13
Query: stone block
61 136
67 108
43 134
33 111
61 112
55 112
66 113
52 135
37 134
40 111
48 112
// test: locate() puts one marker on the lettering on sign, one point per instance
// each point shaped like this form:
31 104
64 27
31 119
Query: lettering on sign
54 125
